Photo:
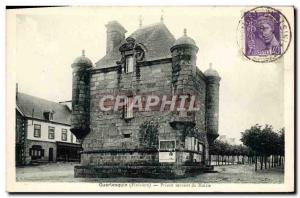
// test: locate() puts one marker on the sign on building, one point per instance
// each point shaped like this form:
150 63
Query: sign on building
167 151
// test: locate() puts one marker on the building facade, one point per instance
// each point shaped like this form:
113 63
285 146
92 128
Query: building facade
225 139
143 143
43 132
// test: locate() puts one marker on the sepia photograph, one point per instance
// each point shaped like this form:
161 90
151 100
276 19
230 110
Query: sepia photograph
150 99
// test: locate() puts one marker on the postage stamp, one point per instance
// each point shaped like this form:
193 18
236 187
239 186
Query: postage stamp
266 34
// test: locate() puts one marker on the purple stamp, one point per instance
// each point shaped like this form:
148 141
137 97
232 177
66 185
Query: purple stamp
265 34
262 35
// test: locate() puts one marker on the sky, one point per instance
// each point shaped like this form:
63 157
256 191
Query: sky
49 39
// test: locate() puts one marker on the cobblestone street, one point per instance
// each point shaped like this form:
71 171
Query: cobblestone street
63 172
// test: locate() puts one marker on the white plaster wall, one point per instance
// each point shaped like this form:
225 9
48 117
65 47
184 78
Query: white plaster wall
44 131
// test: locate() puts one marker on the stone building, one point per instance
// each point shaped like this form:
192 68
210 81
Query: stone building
43 131
144 143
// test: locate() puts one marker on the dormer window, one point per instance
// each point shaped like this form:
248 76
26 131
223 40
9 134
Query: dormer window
48 115
129 64
131 53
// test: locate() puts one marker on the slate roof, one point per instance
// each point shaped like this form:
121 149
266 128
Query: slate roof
27 103
156 39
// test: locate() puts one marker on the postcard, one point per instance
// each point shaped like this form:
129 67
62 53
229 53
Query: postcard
150 99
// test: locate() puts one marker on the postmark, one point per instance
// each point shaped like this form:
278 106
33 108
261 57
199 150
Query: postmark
264 34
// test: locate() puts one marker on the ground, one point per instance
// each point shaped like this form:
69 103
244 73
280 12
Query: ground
64 172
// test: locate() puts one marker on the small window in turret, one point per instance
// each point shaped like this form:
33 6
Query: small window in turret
129 64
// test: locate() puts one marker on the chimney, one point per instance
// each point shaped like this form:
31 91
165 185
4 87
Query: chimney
115 35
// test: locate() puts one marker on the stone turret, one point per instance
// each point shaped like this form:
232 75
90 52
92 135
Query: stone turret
80 96
184 56
185 49
212 103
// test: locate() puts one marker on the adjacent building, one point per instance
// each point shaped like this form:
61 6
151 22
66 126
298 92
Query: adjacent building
225 139
144 143
43 131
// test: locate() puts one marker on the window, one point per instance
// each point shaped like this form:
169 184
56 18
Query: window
167 145
48 115
37 131
129 64
36 152
126 135
167 151
64 135
188 143
51 132
191 143
196 145
128 110
200 147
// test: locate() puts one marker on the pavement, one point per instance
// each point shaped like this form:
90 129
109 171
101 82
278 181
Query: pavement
64 172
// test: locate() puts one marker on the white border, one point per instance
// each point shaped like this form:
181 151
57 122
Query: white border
93 2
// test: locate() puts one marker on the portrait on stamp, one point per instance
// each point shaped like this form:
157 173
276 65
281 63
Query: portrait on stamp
262 33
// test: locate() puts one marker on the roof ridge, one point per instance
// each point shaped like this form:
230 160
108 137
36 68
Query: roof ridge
146 27
150 25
